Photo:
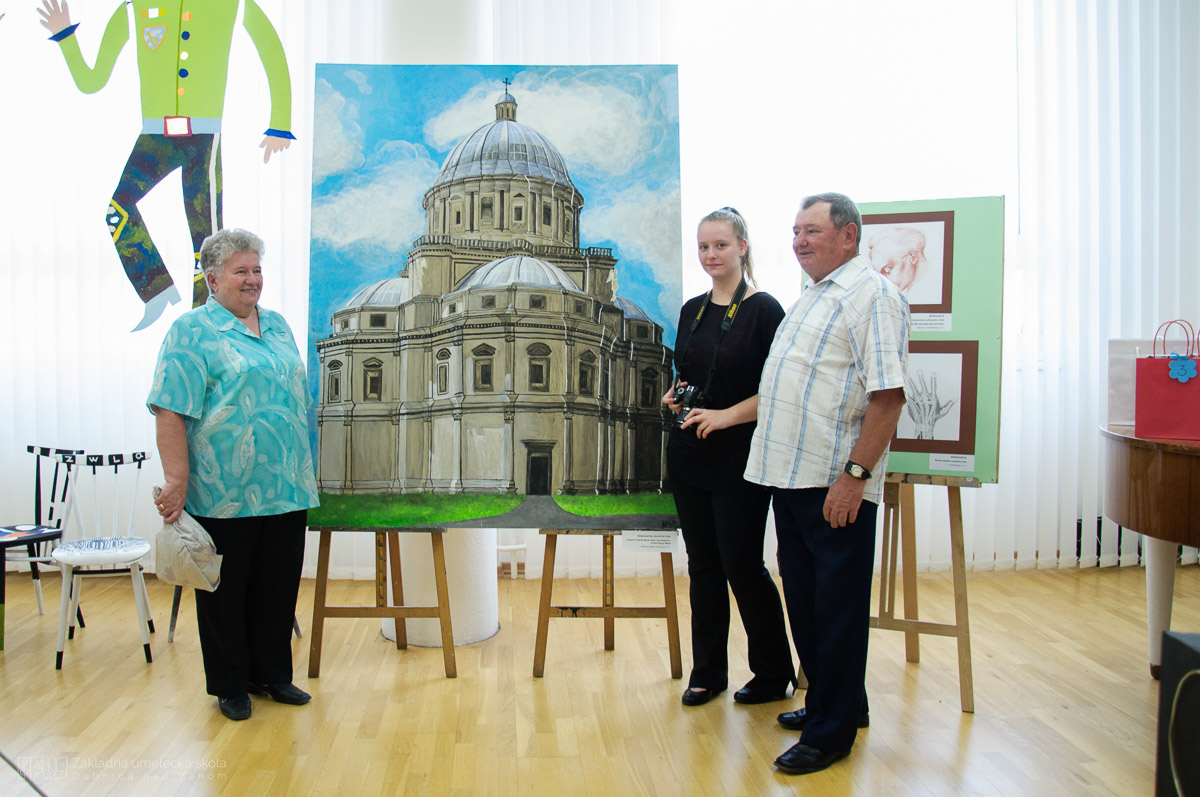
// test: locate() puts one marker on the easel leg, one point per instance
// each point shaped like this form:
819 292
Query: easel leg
443 593
963 631
397 589
543 621
668 576
908 564
318 624
609 602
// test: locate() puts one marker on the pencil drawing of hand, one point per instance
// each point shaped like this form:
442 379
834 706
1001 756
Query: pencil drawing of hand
924 406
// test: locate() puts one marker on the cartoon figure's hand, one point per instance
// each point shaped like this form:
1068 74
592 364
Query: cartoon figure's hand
54 18
272 144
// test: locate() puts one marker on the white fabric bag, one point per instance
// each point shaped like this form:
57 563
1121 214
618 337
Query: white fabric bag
184 554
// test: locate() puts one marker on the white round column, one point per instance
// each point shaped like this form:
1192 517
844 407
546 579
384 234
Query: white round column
471 581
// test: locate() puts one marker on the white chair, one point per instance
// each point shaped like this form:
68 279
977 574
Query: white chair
510 548
103 483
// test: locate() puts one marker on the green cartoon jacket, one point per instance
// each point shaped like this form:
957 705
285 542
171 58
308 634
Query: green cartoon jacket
183 60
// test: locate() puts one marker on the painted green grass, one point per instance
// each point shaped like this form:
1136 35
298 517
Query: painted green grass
632 504
410 509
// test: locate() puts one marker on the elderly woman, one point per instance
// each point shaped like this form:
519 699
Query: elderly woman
229 401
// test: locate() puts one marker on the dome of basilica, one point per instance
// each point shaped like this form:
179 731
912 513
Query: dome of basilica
519 270
385 293
505 147
630 309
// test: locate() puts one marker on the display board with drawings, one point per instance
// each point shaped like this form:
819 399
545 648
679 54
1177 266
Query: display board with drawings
947 257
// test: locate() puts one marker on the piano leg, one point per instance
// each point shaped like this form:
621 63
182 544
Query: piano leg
1161 557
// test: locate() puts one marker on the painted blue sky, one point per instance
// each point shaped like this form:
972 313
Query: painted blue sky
381 134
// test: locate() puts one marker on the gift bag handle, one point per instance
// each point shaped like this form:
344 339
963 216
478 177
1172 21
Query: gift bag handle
1165 327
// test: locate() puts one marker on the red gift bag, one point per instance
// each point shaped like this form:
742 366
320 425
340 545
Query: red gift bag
1166 391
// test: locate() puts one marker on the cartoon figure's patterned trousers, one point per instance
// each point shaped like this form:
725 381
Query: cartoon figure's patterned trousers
153 158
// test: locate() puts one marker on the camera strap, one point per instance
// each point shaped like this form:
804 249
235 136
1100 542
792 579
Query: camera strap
726 325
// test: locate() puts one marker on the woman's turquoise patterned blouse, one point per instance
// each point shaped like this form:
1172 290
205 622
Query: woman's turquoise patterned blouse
244 399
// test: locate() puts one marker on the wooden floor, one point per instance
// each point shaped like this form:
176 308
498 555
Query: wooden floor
1064 703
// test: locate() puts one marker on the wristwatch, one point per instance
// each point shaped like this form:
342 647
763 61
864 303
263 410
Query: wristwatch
857 471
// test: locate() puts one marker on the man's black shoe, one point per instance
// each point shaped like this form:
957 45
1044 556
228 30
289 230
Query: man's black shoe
796 720
760 690
281 693
235 708
800 759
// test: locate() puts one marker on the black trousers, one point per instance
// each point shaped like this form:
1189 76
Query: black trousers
827 586
724 536
246 623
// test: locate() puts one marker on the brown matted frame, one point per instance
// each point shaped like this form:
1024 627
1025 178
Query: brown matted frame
967 400
946 217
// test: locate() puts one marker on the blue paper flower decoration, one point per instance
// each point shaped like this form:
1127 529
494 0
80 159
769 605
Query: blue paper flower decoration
1182 368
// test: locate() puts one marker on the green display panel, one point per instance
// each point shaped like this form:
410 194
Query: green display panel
947 256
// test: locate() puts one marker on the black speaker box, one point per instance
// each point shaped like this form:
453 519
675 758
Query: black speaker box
1179 717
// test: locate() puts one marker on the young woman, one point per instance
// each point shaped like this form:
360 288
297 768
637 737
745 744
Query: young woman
723 339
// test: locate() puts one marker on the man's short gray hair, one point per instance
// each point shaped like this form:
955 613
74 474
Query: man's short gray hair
224 244
842 210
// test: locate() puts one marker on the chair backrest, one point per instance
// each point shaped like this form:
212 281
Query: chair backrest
107 489
52 481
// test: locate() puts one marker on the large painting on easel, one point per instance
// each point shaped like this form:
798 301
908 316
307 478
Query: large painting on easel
496 268
947 257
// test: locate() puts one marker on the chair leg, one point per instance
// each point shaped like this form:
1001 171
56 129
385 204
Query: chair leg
146 598
143 608
65 604
37 581
174 612
76 588
296 627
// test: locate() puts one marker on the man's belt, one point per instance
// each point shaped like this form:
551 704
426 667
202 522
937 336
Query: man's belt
181 125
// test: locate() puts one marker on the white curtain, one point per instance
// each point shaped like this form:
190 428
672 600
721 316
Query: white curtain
1083 114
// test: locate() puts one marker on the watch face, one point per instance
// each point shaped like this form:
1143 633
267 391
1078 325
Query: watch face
857 471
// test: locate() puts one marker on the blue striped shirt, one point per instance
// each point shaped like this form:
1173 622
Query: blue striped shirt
844 338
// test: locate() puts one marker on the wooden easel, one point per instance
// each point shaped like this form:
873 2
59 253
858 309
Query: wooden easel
398 610
609 610
899 532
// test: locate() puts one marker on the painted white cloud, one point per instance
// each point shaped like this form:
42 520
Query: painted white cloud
597 128
337 142
645 225
360 80
382 206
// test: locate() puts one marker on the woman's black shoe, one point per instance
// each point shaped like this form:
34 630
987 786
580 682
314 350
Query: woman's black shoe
235 708
761 690
698 696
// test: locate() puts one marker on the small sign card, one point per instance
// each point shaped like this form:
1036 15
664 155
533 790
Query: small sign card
653 541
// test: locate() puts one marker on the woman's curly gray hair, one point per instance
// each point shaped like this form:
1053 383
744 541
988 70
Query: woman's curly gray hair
224 244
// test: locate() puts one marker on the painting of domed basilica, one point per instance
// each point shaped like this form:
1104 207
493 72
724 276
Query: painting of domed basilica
506 345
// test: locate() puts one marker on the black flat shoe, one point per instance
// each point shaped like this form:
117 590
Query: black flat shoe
761 691
281 693
796 720
800 759
700 695
235 708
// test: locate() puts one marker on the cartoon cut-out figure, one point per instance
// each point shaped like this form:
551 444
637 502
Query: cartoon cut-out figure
183 65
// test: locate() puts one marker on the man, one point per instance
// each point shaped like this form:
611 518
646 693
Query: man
831 393
183 64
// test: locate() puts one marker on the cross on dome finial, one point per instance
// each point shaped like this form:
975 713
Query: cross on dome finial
506 108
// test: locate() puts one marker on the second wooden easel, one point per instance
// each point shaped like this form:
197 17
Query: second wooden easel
900 537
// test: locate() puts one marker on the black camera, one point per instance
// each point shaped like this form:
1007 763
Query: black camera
689 397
